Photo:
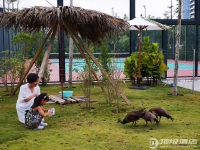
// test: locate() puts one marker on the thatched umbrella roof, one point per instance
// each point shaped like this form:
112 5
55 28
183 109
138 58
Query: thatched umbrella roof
89 24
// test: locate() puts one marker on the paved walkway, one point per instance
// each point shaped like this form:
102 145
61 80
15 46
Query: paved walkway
186 83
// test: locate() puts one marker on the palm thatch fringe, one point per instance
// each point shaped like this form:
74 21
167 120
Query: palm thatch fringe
90 25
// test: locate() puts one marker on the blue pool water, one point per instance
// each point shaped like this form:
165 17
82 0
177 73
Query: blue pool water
118 63
78 64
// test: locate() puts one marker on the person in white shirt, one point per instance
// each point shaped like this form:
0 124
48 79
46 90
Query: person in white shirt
26 96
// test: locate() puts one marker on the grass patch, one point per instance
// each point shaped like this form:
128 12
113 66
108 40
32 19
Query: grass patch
76 128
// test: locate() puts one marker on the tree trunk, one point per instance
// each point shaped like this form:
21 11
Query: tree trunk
70 62
139 58
175 89
70 56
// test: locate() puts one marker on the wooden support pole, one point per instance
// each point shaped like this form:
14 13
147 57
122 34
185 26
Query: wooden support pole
47 53
97 63
32 62
88 63
84 56
103 71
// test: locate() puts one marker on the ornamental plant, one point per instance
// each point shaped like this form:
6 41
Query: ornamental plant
152 62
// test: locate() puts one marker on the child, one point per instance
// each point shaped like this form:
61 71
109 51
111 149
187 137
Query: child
34 116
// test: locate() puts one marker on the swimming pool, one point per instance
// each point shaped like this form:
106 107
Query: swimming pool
78 64
118 63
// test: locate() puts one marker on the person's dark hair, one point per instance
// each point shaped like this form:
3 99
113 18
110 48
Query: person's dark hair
32 77
39 98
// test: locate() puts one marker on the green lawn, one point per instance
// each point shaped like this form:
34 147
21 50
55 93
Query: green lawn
76 128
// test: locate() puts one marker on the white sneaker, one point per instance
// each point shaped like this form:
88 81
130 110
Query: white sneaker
39 127
43 124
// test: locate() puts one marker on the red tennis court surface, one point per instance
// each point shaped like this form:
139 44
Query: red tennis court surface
182 72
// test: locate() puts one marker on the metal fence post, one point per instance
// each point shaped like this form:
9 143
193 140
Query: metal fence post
193 70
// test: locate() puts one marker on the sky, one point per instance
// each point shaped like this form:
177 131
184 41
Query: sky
154 8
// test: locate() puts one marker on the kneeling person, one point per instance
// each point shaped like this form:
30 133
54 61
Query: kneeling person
34 116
